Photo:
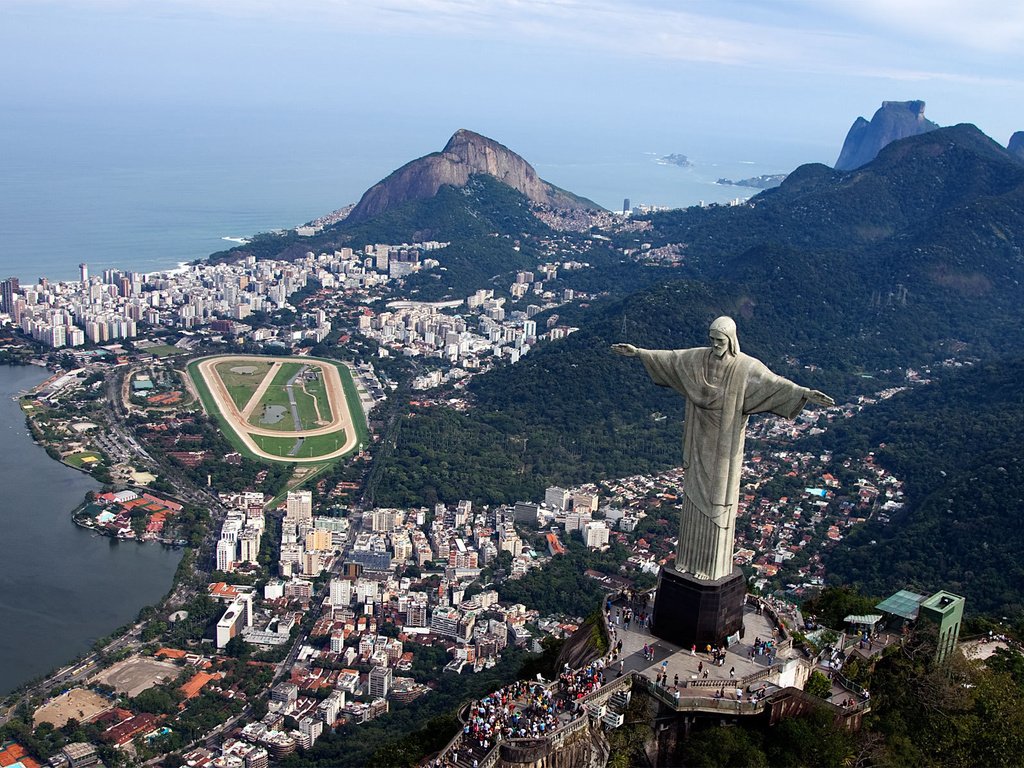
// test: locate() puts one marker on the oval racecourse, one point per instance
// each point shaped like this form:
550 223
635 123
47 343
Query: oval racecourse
284 409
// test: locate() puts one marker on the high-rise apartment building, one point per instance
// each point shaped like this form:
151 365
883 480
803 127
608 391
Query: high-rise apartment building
226 549
8 288
379 682
299 507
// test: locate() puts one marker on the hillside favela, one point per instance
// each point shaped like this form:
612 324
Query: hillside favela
476 472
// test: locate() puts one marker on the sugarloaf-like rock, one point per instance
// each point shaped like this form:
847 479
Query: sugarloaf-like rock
894 120
466 154
1016 145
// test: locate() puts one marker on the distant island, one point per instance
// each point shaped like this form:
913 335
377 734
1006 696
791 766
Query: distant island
676 159
765 181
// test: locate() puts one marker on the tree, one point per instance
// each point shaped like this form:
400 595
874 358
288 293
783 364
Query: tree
818 685
237 648
628 742
834 604
812 740
158 700
723 748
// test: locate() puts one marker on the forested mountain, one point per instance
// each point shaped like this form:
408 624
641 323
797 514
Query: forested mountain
957 445
893 261
465 155
833 277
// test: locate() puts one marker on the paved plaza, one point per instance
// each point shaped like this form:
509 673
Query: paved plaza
684 664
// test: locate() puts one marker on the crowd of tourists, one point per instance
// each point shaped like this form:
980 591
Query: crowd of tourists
574 684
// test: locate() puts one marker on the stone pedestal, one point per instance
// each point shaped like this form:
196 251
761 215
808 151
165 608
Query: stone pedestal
689 611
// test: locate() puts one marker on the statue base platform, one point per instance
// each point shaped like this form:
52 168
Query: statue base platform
690 611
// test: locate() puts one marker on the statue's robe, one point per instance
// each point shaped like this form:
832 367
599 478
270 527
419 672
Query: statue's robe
716 421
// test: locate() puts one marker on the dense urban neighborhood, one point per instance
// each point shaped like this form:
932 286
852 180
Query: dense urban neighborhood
262 414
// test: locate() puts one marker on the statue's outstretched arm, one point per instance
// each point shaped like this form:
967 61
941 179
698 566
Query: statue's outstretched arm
814 396
626 350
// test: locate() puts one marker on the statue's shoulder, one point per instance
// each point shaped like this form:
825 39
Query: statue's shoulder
750 365
753 368
694 356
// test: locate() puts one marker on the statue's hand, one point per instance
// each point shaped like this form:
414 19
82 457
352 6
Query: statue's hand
626 350
814 396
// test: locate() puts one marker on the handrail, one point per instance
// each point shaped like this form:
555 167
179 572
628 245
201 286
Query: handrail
848 684
753 677
704 703
761 674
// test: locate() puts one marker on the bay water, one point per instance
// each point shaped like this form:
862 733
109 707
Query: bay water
146 190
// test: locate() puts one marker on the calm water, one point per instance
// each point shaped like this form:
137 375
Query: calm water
146 190
61 587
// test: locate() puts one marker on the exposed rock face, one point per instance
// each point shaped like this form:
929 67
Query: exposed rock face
1016 145
894 120
581 647
465 154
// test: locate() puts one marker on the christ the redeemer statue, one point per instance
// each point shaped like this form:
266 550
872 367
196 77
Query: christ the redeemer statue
722 387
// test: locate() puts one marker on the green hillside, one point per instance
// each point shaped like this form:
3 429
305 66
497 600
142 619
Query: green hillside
838 281
957 444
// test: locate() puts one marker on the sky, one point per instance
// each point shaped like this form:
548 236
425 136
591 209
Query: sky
367 86
802 69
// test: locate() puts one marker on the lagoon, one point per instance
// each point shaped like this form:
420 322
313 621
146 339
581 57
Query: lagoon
61 587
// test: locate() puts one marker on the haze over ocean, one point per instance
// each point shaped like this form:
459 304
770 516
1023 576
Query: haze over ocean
144 191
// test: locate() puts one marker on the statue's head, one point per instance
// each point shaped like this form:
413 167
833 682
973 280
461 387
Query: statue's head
724 329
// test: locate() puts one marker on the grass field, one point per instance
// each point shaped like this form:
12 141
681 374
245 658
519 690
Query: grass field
242 386
82 459
311 446
318 392
305 404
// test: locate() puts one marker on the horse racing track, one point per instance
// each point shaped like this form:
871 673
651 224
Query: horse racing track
291 409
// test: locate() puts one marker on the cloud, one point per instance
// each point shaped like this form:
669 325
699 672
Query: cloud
982 25
942 40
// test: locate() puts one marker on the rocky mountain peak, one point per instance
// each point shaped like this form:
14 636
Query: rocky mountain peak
894 120
466 154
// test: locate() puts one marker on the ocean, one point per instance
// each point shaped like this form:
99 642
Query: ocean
147 190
